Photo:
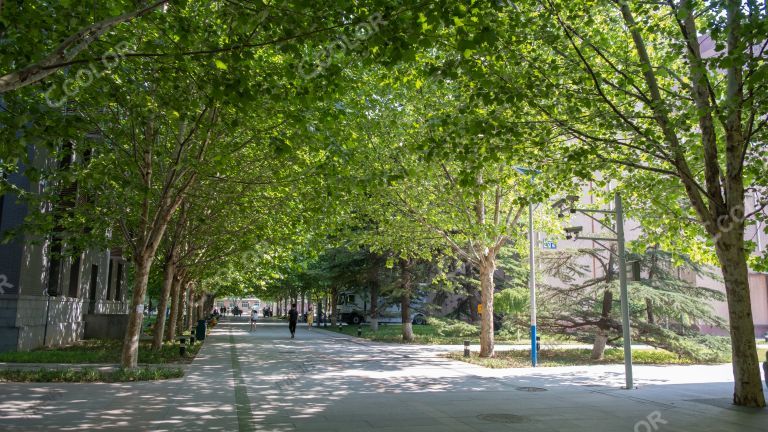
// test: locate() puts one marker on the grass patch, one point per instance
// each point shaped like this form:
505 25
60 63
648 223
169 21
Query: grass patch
87 375
101 351
422 334
570 357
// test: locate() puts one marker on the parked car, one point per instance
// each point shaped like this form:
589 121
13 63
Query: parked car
354 309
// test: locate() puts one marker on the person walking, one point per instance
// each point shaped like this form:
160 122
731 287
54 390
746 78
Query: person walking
310 318
293 318
254 317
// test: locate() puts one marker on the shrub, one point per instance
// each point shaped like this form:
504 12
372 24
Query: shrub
454 328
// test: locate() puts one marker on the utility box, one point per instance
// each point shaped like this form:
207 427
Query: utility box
200 330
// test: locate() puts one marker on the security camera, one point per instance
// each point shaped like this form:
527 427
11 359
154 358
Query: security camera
572 232
565 205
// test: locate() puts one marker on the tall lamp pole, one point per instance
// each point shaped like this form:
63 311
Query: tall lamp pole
624 294
532 264
621 254
532 283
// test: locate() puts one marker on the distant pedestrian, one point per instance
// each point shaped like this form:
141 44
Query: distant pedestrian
310 317
254 317
293 318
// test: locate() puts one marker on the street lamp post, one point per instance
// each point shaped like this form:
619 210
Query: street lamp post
621 254
532 265
532 283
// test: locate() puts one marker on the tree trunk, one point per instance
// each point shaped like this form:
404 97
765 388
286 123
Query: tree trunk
601 338
748 390
334 299
182 307
405 312
170 332
169 271
471 294
130 353
200 309
649 311
193 314
374 305
598 349
192 311
487 269
405 298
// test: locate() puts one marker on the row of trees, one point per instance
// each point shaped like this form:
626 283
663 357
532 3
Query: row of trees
226 130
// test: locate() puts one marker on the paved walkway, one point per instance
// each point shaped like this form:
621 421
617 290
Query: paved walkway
323 381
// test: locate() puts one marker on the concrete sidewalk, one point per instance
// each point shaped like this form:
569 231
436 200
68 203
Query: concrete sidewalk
323 381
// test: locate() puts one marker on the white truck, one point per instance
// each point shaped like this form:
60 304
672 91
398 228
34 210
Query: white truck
354 308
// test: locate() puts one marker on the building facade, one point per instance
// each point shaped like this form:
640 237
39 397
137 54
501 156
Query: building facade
244 304
758 282
47 299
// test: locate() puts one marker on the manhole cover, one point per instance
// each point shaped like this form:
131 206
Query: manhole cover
503 418
531 389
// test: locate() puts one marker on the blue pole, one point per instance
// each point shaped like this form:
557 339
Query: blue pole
532 262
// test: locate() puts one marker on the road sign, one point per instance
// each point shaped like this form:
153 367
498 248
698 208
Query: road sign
480 308
549 244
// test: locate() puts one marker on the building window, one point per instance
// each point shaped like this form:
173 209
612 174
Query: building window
92 287
109 280
119 282
221 305
74 277
54 268
246 305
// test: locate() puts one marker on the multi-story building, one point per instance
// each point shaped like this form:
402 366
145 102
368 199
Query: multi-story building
758 281
46 298
244 304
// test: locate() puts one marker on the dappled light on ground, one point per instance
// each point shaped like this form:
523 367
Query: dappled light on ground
263 380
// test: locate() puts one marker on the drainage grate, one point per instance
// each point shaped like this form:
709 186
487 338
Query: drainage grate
503 418
531 389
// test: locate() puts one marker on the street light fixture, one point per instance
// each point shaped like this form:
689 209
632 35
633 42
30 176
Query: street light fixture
574 232
531 263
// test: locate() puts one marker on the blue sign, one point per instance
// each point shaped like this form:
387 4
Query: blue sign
549 244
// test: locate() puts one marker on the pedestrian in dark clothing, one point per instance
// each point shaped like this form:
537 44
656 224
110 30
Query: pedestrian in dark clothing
293 318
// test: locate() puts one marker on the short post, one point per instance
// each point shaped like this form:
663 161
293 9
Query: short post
538 344
182 349
359 331
182 340
466 348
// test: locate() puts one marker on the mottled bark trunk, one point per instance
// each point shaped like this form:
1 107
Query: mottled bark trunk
170 332
603 327
748 390
598 349
169 271
487 268
182 307
130 352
